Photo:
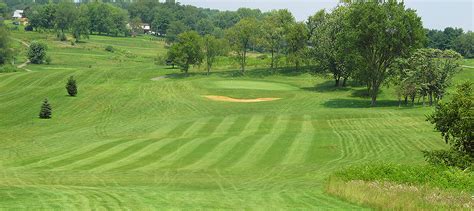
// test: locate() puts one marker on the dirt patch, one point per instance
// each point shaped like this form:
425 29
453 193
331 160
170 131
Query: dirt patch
229 99
158 78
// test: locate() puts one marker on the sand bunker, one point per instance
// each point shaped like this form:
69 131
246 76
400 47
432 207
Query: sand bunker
229 99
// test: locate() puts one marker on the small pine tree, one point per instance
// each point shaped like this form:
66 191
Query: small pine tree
46 110
71 87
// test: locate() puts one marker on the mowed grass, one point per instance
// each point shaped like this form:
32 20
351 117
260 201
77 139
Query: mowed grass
127 142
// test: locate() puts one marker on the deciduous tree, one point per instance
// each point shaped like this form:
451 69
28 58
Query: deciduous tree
383 32
213 47
187 50
242 36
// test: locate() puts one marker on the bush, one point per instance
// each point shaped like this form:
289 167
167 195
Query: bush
262 57
71 87
37 52
48 60
8 69
61 36
46 110
110 48
160 60
28 28
449 158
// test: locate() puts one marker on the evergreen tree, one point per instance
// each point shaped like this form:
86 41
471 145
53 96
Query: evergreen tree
46 110
71 87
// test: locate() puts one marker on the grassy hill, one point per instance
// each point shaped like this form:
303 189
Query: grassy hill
131 142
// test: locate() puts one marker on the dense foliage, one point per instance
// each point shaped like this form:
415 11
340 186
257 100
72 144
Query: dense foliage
37 52
454 119
5 50
382 33
452 38
426 73
187 51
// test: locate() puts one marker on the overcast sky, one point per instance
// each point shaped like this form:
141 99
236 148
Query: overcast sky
436 14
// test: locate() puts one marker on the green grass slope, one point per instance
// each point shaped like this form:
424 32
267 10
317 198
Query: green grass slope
132 143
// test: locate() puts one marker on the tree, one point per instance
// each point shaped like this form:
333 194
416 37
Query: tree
314 22
204 27
274 27
454 120
3 10
81 25
333 45
383 32
46 110
71 86
433 70
5 49
213 47
64 16
37 52
187 50
297 40
136 26
464 44
175 28
162 20
242 36
118 19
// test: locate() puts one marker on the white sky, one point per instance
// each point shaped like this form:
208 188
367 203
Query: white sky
436 14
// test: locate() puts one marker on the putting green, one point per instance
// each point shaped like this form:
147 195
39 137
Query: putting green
255 85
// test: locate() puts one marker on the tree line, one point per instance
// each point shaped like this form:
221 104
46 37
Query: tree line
452 38
362 41
80 21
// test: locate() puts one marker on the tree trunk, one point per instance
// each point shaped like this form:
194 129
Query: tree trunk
374 100
430 96
273 60
373 94
243 62
344 81
337 81
413 100
406 100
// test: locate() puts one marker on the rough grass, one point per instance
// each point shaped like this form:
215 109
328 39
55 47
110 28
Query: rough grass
394 196
391 186
127 142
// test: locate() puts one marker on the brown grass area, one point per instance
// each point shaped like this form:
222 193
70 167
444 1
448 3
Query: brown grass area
235 100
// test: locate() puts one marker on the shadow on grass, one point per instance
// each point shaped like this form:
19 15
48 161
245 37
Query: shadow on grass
357 103
253 73
327 86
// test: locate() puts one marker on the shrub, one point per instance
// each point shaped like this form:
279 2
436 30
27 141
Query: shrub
61 36
449 158
48 60
37 52
28 28
109 48
8 69
71 87
454 120
46 110
262 57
